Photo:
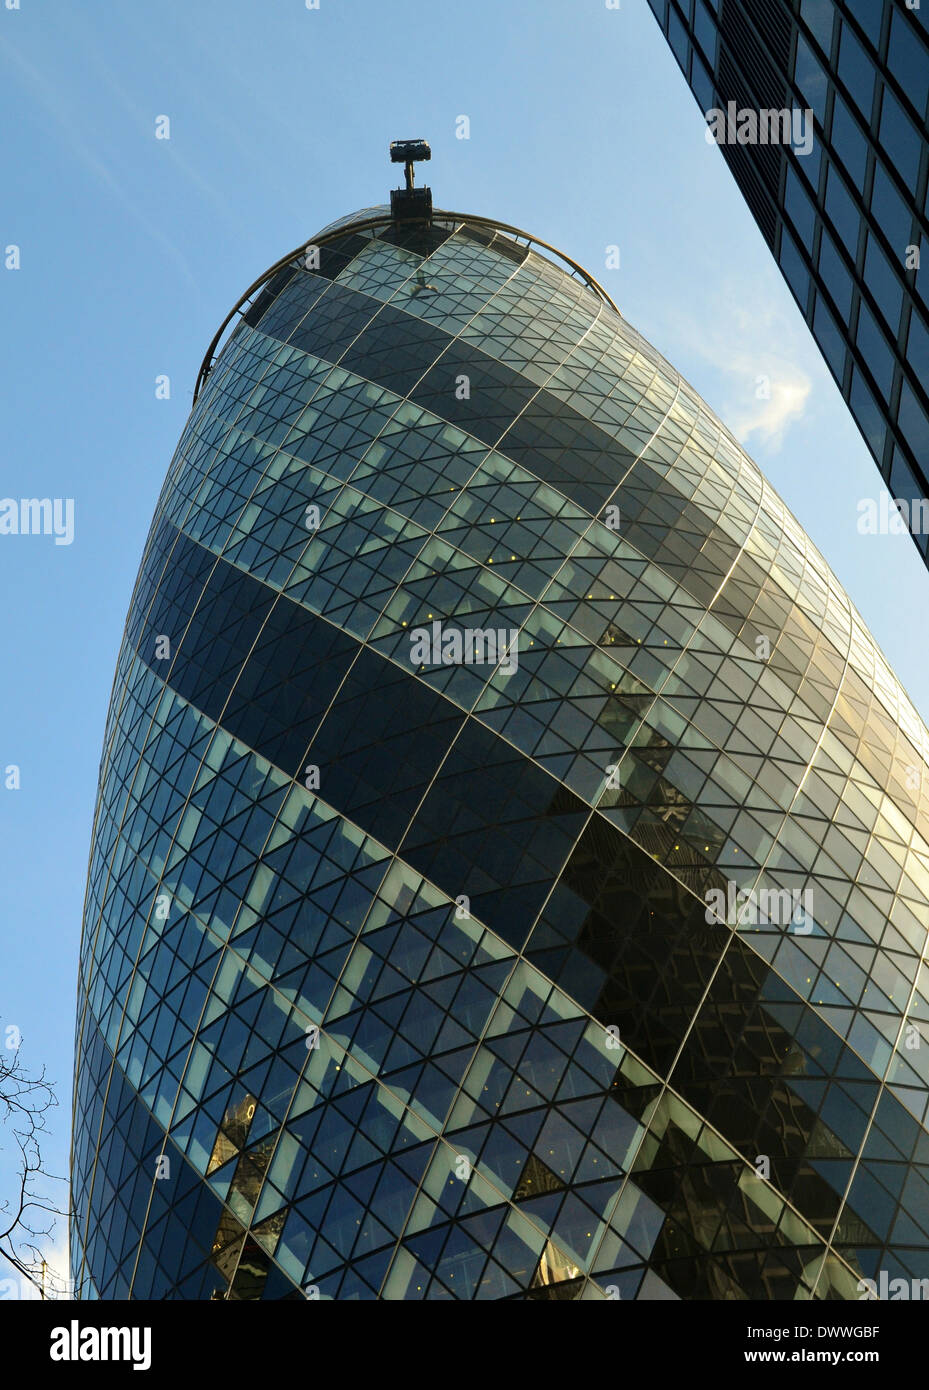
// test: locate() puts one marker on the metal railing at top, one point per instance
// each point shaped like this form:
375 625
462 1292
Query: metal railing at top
370 224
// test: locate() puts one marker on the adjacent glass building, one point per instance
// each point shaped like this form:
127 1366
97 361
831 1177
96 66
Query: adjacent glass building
400 973
847 221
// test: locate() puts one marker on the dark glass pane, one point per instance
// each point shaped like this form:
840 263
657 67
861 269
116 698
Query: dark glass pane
798 277
890 211
876 350
900 139
836 276
841 208
856 70
819 16
706 32
800 209
870 15
917 347
829 338
908 57
870 418
914 422
848 140
811 79
883 284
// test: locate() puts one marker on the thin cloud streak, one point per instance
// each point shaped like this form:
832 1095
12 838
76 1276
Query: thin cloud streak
756 349
66 119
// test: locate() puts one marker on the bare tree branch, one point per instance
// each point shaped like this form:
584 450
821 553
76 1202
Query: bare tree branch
25 1100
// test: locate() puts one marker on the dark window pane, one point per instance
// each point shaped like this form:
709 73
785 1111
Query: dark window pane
336 255
706 31
799 209
331 325
857 72
913 422
903 483
494 827
702 84
567 450
891 212
829 338
870 418
922 272
798 277
811 79
677 37
496 394
850 144
269 293
222 630
818 16
840 207
395 350
883 284
837 279
869 14
922 18
900 138
917 347
380 745
286 684
908 60
810 154
281 315
876 350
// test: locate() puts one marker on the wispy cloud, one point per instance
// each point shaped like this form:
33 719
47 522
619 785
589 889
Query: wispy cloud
757 345
769 390
81 37
769 393
67 118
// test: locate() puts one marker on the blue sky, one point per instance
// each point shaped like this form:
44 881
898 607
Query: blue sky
133 249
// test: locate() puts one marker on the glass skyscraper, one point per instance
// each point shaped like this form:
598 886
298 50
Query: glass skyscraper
846 216
510 867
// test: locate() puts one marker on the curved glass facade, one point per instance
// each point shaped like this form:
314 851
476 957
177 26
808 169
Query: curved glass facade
510 869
